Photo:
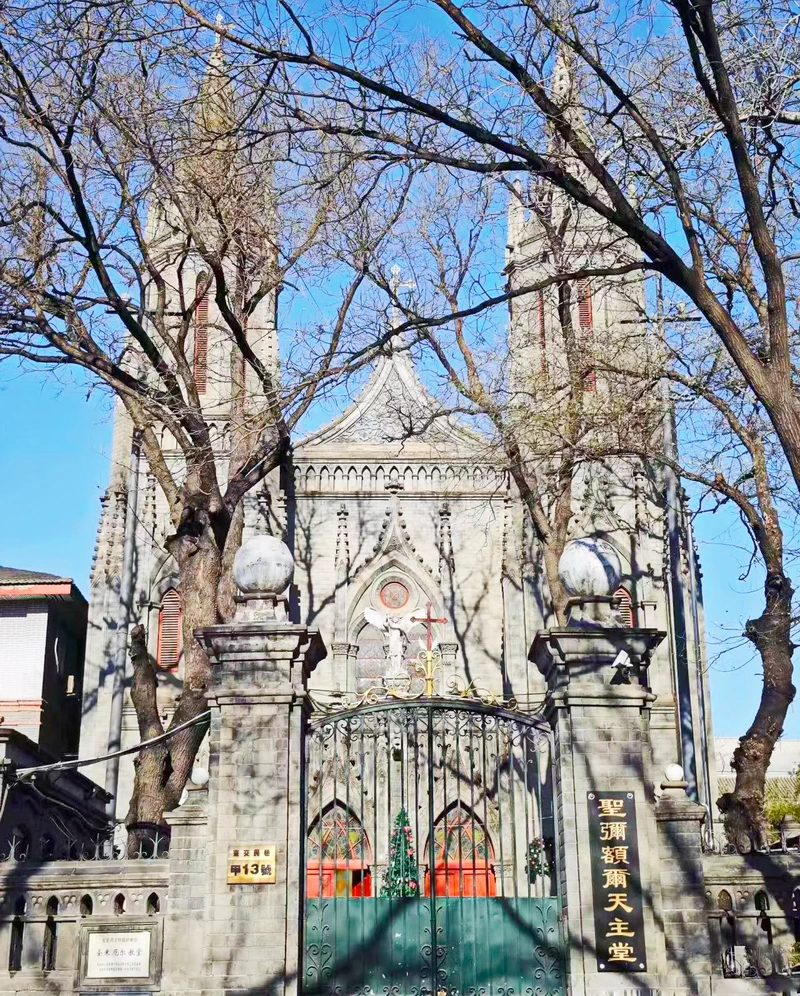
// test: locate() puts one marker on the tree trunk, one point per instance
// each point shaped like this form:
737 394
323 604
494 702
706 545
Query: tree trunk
161 771
145 815
743 809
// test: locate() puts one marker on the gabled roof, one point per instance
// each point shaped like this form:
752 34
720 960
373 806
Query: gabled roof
18 575
395 408
17 582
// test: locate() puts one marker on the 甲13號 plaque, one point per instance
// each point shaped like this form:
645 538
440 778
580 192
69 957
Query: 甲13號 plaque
252 864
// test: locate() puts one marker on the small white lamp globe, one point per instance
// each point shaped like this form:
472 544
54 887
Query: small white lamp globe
588 567
673 773
199 777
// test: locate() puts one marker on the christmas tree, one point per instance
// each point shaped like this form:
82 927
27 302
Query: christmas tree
402 875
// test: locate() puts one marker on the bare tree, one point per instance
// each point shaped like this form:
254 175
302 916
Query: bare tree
139 216
694 107
567 408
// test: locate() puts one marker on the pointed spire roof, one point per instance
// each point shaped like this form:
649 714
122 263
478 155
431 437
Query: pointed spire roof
215 110
563 83
565 91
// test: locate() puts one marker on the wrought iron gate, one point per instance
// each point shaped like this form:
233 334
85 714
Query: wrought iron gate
429 853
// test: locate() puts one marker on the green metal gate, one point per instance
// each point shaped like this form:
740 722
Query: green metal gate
429 853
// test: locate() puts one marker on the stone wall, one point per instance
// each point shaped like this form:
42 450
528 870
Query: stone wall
58 901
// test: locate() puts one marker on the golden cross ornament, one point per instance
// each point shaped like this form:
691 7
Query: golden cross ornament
429 661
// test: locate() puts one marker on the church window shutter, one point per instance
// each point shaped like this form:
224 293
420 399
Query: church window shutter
625 606
201 336
50 935
170 620
542 332
586 327
17 935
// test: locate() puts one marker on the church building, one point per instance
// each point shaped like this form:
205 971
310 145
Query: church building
416 780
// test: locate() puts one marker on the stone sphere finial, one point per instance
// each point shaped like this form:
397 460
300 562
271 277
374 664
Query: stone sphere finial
263 565
589 567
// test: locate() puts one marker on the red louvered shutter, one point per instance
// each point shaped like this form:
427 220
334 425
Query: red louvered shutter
586 324
625 606
542 333
201 337
169 630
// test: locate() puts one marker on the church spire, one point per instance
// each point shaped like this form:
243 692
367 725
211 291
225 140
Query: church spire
563 83
515 221
215 111
565 91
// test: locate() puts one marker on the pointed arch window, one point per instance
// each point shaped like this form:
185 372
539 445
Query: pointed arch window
50 936
724 901
463 859
339 856
170 625
371 664
201 335
625 607
17 935
586 328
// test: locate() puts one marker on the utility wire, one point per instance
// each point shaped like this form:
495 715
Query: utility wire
22 773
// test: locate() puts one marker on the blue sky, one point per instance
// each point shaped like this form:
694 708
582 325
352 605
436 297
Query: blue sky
54 453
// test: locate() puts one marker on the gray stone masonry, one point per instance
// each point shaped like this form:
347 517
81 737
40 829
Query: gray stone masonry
684 903
188 877
250 933
600 717
69 882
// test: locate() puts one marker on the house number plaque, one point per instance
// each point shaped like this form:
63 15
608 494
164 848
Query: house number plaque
251 864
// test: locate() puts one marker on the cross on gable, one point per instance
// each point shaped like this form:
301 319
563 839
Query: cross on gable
428 620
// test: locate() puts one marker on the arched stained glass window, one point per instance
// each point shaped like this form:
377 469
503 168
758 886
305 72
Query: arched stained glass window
460 836
339 856
463 856
170 624
724 901
338 836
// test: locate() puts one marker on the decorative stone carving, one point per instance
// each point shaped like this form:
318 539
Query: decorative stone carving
263 565
589 567
263 569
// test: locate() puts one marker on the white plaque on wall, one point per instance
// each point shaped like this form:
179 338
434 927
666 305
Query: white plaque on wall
119 954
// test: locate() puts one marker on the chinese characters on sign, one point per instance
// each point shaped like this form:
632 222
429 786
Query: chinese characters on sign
251 864
118 955
616 885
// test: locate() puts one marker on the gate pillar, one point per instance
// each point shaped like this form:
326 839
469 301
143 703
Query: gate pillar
261 663
598 703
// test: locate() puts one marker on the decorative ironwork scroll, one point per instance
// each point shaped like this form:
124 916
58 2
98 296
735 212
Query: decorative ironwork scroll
417 863
616 882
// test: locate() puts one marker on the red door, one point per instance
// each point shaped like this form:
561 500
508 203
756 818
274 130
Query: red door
342 879
453 879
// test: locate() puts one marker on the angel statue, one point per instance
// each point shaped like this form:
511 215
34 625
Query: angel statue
398 628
